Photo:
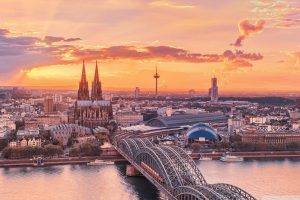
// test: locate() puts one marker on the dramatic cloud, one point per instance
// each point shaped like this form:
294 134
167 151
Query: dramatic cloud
246 29
239 59
163 53
56 51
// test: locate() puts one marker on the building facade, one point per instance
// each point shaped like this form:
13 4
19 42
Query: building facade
271 138
91 112
213 91
48 105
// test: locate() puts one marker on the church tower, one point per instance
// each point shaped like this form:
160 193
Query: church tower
83 91
96 93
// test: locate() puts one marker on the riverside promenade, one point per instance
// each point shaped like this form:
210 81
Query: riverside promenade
257 154
108 154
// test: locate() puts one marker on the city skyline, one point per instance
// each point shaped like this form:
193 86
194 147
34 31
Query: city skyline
192 45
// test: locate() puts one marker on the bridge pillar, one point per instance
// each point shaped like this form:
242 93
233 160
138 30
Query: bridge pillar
132 171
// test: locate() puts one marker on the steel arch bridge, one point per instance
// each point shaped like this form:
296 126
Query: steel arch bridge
173 172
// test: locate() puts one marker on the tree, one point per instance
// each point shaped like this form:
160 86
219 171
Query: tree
52 150
55 142
89 149
6 153
74 152
3 144
196 147
45 135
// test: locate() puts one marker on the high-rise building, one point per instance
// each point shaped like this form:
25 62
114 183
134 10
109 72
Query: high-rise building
83 91
213 91
58 98
298 103
96 93
48 105
137 92
156 76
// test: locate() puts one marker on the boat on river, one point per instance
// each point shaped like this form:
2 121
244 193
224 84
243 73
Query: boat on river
100 162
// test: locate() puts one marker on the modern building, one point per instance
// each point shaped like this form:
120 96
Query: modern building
58 98
201 133
298 103
128 118
137 92
188 119
213 91
91 112
48 105
271 138
28 133
235 123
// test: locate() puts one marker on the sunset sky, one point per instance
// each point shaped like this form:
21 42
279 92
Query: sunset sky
249 45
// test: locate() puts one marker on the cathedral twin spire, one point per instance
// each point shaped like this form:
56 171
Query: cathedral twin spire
83 92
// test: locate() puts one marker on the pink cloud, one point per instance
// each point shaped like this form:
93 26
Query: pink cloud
246 29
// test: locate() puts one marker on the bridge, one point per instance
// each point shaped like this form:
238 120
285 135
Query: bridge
173 172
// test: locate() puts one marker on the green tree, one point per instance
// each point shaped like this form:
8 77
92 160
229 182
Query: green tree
74 152
52 150
89 149
6 153
3 144
196 147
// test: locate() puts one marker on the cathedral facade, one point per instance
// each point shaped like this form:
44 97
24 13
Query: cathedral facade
91 111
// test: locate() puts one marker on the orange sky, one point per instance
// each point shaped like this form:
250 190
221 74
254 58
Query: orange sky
250 45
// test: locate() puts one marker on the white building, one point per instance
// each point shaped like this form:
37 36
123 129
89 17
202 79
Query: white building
128 118
258 120
29 132
165 112
57 98
234 124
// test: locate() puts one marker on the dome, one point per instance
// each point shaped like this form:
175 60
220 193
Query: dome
201 130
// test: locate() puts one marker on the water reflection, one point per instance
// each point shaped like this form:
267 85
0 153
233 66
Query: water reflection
77 182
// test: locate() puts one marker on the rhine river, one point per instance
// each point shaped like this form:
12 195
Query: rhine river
261 178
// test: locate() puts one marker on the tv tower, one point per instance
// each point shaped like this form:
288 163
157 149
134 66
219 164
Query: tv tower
156 76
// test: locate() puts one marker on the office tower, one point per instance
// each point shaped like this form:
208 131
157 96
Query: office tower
213 91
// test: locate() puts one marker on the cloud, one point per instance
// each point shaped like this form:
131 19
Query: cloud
25 52
161 53
239 59
294 59
3 32
247 29
169 4
52 39
277 13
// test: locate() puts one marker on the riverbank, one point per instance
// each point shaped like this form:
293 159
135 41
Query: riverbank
58 161
260 154
118 158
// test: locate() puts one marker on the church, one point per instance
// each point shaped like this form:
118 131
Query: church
91 111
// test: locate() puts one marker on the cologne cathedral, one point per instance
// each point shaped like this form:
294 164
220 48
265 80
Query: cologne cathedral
91 111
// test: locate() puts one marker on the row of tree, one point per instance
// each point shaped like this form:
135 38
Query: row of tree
49 150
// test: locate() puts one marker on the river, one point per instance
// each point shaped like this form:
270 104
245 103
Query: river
261 178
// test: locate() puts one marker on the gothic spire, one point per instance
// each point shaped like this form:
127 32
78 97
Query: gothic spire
83 75
83 91
96 77
96 86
